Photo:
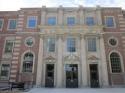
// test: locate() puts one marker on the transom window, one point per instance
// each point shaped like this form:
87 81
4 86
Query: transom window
28 62
109 21
115 63
8 46
91 44
32 22
70 20
51 21
71 44
5 68
90 21
1 24
12 23
51 44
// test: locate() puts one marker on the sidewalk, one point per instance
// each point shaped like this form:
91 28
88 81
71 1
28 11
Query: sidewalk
77 90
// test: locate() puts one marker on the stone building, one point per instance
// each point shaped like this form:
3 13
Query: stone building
63 46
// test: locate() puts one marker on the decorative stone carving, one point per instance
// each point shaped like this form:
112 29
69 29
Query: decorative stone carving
93 57
71 58
50 59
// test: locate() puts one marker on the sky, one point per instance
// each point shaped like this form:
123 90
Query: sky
12 5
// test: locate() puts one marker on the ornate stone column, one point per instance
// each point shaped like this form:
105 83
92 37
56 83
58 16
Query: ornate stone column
59 62
83 62
39 64
104 73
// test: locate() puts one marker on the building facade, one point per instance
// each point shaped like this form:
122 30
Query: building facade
63 47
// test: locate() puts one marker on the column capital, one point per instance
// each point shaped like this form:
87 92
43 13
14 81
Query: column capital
82 36
41 36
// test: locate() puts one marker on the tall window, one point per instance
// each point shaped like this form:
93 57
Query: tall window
32 22
5 68
115 62
109 21
70 20
9 46
71 44
51 44
28 62
1 24
91 44
12 23
51 21
90 21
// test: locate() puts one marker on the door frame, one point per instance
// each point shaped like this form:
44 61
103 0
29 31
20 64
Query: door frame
64 74
89 73
44 73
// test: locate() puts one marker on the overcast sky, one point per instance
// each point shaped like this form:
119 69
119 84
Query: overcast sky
9 5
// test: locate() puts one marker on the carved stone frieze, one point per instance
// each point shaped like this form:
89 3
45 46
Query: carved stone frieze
71 58
93 57
49 59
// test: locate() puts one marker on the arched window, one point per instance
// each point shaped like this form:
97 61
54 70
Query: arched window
115 63
28 62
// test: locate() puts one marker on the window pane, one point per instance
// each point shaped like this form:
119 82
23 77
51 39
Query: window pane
109 22
5 71
32 22
1 23
28 62
70 21
92 44
90 21
12 24
115 63
71 45
51 21
51 44
8 46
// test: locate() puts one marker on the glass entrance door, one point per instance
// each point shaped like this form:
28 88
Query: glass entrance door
49 78
71 75
94 79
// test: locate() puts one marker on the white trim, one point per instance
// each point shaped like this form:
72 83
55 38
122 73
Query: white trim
45 45
76 44
113 21
21 68
28 17
7 78
9 24
10 39
121 61
87 44
1 19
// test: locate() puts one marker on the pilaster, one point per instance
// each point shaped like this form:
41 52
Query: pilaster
39 65
60 15
104 69
43 15
83 62
59 63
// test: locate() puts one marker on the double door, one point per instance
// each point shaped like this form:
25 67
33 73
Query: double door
71 75
94 77
49 77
